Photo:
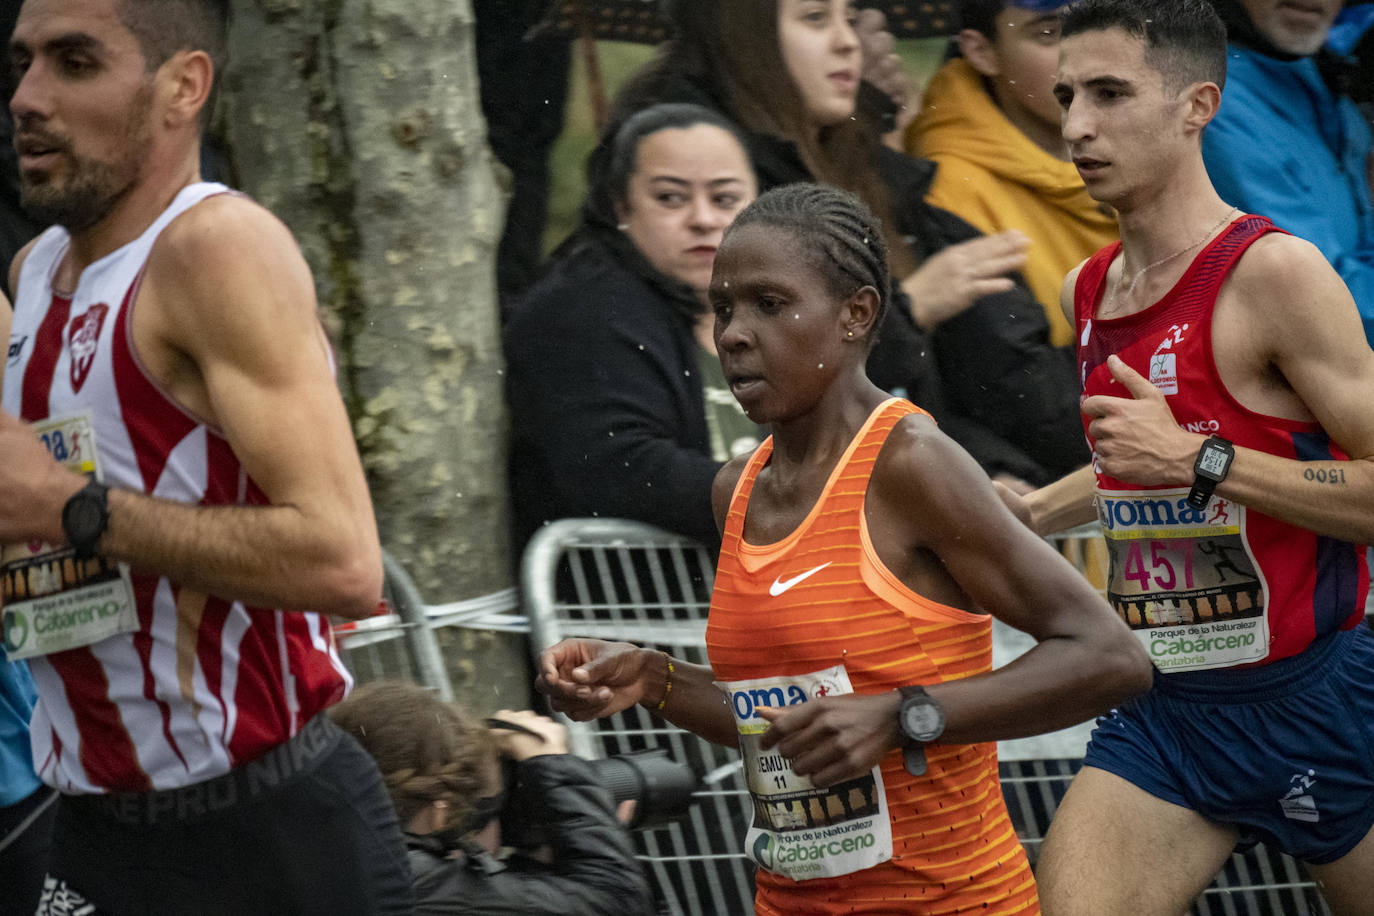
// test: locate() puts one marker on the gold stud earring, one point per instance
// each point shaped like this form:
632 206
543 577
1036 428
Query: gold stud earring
849 334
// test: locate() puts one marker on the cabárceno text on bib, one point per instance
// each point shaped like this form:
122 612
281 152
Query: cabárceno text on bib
801 830
53 601
1184 579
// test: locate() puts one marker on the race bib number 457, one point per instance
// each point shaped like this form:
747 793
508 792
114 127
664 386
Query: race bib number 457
1184 579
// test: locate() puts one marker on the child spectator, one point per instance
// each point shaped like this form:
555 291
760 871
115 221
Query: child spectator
991 125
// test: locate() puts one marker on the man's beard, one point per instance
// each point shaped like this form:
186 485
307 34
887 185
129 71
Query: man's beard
93 188
90 194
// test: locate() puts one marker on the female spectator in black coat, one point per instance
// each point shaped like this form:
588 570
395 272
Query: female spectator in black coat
967 342
617 403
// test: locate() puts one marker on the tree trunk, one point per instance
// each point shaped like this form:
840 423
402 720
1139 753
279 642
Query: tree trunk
358 123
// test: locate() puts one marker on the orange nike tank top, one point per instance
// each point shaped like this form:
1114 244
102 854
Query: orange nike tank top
820 599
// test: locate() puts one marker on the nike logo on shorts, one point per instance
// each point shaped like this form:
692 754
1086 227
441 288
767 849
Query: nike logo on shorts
780 585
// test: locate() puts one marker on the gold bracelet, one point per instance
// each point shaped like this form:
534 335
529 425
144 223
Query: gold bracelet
667 683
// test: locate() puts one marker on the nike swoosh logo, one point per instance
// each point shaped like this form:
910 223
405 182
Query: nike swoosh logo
780 585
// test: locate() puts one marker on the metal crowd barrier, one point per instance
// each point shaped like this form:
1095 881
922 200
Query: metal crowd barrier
623 580
617 579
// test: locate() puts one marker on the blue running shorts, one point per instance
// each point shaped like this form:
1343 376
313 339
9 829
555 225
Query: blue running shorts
1283 752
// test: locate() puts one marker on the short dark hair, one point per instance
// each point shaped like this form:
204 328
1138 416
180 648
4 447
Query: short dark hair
980 15
164 27
641 124
1184 39
837 226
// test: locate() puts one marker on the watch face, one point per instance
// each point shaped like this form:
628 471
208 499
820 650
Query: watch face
1213 461
923 720
85 517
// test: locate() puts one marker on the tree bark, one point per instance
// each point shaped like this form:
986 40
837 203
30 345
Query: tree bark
358 123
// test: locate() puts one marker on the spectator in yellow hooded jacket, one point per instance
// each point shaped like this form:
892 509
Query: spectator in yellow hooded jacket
991 124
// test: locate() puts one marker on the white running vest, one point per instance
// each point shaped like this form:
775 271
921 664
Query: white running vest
203 684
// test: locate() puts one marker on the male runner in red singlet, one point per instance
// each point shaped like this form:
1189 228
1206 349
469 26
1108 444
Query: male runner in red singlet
182 499
849 634
1228 389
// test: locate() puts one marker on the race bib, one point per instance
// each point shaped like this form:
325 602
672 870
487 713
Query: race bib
1184 579
53 601
800 830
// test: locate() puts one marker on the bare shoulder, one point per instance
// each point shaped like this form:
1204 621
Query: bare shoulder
1286 291
224 233
1066 292
920 469
17 265
1284 268
723 487
226 270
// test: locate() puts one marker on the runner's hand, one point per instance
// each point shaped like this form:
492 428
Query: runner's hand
590 678
834 739
1135 436
952 280
34 486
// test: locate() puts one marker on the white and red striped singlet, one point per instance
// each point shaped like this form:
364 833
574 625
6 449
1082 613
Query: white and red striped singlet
204 684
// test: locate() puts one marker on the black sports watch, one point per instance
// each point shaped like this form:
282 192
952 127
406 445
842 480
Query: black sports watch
922 721
85 518
1211 467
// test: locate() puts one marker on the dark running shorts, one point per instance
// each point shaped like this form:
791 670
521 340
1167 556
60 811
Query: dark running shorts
306 830
1283 752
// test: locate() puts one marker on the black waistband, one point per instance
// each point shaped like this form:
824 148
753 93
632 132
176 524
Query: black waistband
188 804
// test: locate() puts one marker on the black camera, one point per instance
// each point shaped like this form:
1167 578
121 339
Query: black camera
660 786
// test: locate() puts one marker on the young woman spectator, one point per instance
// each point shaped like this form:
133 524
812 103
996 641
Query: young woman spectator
967 340
617 404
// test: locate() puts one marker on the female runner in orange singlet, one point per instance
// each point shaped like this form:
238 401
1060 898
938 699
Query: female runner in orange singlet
849 633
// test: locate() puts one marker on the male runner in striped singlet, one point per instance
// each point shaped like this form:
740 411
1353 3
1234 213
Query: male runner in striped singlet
182 500
849 644
1229 391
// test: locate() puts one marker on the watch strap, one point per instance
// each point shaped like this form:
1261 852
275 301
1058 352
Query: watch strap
1204 485
84 542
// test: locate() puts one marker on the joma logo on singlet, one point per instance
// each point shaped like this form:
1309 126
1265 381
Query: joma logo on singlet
16 347
1147 513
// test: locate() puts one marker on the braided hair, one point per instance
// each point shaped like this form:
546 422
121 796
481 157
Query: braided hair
837 226
427 750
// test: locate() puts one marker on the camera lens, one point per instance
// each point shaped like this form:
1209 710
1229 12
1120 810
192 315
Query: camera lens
661 787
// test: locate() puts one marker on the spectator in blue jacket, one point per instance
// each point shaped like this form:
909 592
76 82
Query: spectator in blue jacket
1289 142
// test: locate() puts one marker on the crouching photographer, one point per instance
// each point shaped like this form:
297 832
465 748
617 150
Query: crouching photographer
445 776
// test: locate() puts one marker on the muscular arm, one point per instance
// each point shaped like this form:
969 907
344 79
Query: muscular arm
1085 659
929 497
226 318
1302 323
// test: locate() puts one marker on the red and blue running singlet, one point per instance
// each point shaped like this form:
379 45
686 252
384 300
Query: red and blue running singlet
1226 585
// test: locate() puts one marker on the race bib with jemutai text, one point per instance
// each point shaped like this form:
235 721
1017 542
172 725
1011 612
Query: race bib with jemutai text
801 830
1184 579
52 600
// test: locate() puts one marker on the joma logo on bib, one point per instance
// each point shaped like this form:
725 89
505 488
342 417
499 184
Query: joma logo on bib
1143 513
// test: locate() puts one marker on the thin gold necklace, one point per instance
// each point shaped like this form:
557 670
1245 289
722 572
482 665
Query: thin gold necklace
1130 287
